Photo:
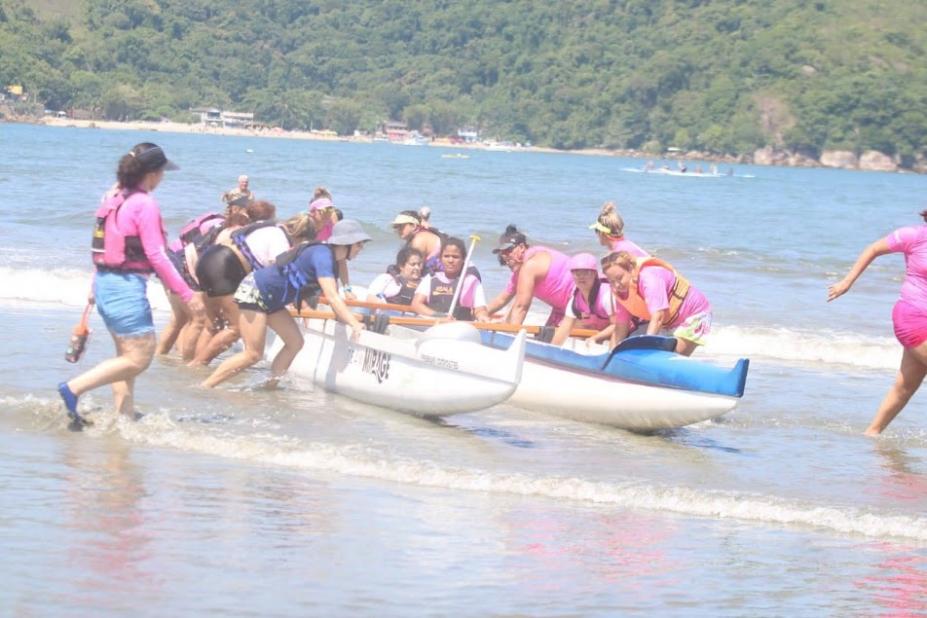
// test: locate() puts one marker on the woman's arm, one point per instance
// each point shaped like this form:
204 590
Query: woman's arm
621 331
481 314
563 330
603 334
330 289
524 292
657 319
499 301
151 234
420 306
345 279
879 247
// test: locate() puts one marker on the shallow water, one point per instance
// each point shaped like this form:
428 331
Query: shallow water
247 502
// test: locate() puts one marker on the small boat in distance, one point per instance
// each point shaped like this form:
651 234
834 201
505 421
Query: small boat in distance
455 155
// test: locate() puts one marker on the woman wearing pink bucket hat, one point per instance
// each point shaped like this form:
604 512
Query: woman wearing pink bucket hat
592 305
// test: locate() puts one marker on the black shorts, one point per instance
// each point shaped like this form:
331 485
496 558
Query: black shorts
219 271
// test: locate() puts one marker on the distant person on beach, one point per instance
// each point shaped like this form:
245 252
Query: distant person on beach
239 192
537 272
652 291
128 244
609 227
909 315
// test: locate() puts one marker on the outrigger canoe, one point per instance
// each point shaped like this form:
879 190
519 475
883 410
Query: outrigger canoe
642 386
421 373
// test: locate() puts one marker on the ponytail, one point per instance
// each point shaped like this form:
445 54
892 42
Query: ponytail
130 172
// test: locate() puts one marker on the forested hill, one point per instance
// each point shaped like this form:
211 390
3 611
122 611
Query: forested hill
725 76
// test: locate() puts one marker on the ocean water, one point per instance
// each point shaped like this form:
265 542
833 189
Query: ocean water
244 502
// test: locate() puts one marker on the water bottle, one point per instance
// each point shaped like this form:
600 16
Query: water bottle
77 344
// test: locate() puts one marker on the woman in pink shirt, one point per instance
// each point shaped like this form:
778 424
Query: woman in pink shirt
652 291
129 244
537 272
909 315
609 227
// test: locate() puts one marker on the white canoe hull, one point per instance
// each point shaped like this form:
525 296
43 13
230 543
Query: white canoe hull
412 372
592 399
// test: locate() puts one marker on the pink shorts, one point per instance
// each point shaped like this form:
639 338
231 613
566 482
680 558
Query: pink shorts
910 324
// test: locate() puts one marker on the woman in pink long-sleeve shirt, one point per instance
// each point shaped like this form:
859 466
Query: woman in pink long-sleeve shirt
909 315
129 244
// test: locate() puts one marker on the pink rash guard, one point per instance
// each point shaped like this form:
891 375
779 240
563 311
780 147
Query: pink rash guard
140 216
557 287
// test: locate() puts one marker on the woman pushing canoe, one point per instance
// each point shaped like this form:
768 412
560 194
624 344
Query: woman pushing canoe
651 290
592 305
301 274
537 272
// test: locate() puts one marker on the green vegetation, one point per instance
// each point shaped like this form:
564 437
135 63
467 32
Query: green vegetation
725 76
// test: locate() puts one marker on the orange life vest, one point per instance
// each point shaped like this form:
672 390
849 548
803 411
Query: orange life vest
634 302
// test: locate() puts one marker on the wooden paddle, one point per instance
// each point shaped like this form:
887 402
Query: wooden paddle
419 321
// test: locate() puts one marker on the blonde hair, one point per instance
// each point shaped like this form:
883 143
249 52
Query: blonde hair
319 193
621 259
610 218
299 227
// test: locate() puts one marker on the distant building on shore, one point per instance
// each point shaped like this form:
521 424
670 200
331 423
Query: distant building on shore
212 117
468 136
395 130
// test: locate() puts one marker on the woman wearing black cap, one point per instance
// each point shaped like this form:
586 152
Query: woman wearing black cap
538 272
128 244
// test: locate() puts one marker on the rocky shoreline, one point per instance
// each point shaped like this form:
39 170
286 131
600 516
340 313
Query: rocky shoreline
871 160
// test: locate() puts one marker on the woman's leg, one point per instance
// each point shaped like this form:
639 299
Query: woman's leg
286 328
685 347
253 326
909 378
179 317
191 333
222 340
134 355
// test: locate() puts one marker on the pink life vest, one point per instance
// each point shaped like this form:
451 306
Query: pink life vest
593 317
196 228
110 249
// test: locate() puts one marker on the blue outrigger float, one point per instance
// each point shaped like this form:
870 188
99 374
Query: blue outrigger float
642 385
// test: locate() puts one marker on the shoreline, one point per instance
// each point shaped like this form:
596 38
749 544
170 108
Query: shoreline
768 156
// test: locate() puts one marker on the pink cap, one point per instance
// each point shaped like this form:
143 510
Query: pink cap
584 261
321 204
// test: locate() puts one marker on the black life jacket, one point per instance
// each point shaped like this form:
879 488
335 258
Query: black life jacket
110 249
307 288
441 294
596 287
406 291
239 238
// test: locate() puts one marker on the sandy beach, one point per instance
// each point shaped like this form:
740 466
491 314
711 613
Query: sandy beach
277 132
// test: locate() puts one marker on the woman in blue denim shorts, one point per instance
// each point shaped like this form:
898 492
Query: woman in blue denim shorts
129 244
